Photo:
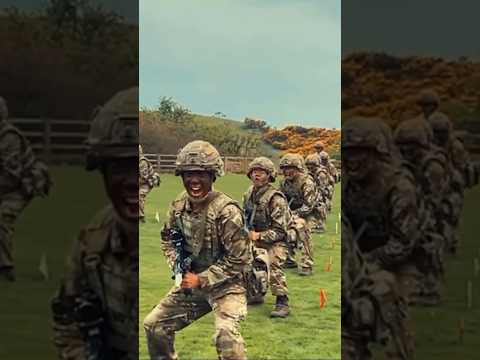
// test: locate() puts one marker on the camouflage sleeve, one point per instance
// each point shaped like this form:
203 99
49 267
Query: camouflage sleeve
10 153
404 225
279 215
309 197
237 249
143 168
67 337
167 246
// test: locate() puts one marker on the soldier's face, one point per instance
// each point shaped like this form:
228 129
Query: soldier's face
411 152
197 183
428 109
290 172
121 183
259 177
441 137
358 163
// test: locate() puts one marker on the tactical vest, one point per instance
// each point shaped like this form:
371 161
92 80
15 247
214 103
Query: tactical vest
369 214
115 283
261 220
294 191
200 229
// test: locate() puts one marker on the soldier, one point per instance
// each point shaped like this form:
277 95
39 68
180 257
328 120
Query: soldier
22 177
429 102
429 166
379 196
267 216
372 309
219 252
95 312
453 200
148 178
301 193
324 188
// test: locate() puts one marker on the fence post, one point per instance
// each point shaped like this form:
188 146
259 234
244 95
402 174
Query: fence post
47 140
159 157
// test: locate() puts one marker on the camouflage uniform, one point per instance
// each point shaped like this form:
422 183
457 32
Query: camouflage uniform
429 166
323 181
221 252
147 179
268 213
452 202
379 199
302 197
95 312
372 309
22 177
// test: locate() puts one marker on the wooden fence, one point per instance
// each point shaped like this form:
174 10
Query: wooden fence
56 140
166 163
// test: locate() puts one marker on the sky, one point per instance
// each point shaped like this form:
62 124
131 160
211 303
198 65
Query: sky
277 60
410 27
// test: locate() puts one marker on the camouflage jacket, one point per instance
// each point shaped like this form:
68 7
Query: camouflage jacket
387 209
268 213
100 264
220 249
16 158
147 174
301 194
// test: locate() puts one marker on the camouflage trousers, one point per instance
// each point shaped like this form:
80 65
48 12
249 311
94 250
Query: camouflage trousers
11 206
142 196
177 310
277 254
354 348
305 245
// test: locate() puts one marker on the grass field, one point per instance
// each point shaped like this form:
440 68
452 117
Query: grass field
49 225
309 332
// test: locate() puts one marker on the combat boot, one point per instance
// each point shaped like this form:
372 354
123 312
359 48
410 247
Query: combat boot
305 271
281 310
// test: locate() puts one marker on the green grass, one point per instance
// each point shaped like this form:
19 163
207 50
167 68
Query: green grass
309 332
46 226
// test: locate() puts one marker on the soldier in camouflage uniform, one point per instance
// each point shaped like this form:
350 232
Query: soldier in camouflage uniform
302 196
430 168
379 199
429 102
452 203
267 217
372 309
95 312
22 177
324 188
148 178
220 251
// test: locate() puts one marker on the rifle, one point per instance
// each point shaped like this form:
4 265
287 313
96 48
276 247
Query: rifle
249 217
183 260
88 313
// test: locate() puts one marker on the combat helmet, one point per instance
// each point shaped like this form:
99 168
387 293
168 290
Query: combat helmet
319 145
292 160
364 132
114 130
412 131
199 155
3 109
264 164
428 97
440 122
313 160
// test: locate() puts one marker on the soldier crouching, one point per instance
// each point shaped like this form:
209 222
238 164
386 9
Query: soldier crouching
218 251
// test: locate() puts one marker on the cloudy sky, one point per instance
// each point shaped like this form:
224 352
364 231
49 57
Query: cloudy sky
278 60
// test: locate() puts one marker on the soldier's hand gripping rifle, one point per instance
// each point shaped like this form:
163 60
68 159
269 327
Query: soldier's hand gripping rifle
183 259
